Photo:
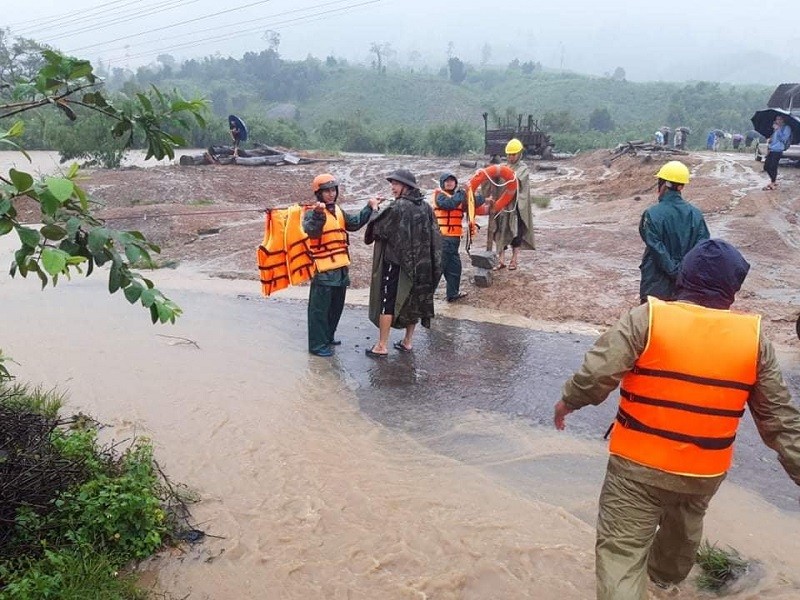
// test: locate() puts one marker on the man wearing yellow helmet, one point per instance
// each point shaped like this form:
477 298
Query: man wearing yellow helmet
514 224
669 229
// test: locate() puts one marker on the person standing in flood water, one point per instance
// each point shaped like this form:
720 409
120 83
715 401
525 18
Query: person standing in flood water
406 264
669 229
687 370
327 226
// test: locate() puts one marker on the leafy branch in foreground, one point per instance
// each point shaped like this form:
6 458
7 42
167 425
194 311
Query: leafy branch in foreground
67 237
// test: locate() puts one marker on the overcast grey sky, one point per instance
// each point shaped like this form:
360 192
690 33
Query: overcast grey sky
675 41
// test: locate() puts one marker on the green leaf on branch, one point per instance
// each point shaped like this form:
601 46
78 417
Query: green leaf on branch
5 204
53 232
98 238
21 180
133 292
49 203
6 225
29 237
148 297
133 253
61 188
54 260
115 278
146 104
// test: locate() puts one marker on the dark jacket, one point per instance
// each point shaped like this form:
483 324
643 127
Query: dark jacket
669 230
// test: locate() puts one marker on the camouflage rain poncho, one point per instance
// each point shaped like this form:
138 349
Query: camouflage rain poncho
405 234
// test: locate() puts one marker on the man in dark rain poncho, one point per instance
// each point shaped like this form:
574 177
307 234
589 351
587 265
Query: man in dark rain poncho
406 263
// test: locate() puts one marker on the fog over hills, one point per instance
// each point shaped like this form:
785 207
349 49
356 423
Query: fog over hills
684 40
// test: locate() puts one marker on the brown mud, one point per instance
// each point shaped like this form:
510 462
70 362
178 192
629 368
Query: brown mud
585 266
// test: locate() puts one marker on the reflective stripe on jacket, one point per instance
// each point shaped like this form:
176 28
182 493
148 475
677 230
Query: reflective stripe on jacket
330 249
298 257
680 405
449 221
271 254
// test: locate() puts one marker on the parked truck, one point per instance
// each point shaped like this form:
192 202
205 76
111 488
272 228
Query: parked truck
536 142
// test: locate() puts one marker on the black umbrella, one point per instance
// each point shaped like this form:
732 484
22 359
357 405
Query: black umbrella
235 123
762 122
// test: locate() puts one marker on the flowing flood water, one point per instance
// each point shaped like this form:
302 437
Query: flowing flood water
434 475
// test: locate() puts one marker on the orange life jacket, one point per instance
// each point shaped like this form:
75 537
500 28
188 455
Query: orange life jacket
298 254
271 254
330 250
680 406
449 220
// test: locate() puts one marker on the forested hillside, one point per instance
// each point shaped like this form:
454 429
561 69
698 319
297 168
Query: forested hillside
330 104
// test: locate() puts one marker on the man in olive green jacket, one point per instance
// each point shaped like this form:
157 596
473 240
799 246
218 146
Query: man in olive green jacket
650 521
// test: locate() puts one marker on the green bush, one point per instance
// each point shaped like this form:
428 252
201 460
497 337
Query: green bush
453 139
88 139
350 136
403 140
72 546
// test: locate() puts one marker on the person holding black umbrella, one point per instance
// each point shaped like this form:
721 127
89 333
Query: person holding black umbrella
778 142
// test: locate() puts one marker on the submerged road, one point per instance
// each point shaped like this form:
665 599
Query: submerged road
460 366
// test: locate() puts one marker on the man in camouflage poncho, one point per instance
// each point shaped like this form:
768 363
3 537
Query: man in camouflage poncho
406 263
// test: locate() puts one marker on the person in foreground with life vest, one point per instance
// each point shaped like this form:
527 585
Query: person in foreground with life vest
687 368
449 206
669 229
406 264
327 226
514 223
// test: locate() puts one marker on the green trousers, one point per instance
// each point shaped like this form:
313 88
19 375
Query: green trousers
325 306
644 530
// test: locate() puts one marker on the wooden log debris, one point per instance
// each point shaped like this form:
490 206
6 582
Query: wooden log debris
261 155
642 148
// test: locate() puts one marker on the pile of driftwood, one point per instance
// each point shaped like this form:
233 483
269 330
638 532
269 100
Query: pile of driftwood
647 150
258 156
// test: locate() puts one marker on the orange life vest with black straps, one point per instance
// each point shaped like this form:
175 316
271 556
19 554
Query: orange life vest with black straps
680 405
271 254
330 250
298 253
449 220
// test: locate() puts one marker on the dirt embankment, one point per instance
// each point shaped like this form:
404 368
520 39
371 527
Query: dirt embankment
585 267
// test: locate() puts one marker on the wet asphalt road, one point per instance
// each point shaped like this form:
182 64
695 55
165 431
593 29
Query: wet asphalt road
460 367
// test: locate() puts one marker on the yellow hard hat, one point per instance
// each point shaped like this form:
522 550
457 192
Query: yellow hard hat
674 171
514 146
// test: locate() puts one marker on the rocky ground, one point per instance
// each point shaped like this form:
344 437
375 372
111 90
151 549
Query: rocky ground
585 267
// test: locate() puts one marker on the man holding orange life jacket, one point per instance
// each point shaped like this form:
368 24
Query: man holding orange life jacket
327 226
687 369
449 206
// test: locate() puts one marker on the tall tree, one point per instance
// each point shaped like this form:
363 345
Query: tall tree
457 69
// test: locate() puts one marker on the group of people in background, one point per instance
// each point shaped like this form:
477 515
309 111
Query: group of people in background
687 364
415 244
663 135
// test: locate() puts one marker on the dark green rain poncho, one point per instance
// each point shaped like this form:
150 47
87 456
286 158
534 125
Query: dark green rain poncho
669 230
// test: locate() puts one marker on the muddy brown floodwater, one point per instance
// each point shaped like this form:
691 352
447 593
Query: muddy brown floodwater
316 481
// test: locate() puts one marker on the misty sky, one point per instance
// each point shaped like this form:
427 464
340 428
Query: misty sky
673 41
